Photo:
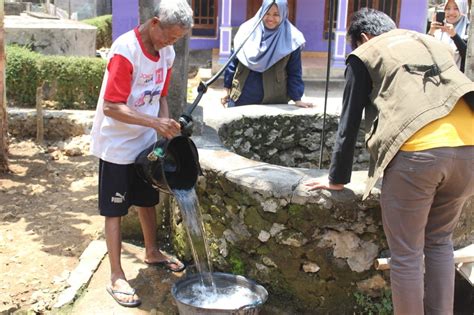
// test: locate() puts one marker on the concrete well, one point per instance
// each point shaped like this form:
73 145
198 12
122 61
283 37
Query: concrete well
312 250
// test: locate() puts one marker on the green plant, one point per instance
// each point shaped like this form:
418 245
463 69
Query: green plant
237 265
69 82
76 81
22 75
368 305
104 30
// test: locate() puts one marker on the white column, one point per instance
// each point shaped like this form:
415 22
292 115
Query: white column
225 31
339 53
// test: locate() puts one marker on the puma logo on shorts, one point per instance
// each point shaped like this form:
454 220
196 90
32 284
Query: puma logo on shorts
118 198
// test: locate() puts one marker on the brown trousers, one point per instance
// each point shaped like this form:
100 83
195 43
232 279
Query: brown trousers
422 197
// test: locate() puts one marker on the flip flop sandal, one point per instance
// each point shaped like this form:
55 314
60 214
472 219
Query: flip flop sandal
167 264
113 293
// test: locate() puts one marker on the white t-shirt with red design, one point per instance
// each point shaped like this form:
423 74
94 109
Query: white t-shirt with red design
138 79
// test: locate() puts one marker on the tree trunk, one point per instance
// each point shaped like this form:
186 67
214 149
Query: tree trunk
39 116
469 66
3 103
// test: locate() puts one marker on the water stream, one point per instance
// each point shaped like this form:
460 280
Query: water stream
208 292
188 204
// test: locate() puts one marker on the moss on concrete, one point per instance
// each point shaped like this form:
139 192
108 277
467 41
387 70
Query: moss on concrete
254 220
237 264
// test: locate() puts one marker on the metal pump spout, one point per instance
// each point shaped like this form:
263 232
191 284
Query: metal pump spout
186 122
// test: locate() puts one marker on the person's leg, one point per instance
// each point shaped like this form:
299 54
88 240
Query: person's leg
113 205
119 287
145 197
147 217
445 211
408 188
113 239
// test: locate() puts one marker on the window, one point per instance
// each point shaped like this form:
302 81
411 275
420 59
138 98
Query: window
205 17
390 7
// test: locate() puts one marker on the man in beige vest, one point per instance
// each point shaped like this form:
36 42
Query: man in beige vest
420 110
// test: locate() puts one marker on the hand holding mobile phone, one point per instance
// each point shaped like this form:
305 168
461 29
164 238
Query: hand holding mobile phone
440 17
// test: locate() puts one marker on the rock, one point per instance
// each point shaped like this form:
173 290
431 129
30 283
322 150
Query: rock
276 228
294 239
230 236
372 286
268 262
36 189
56 155
310 267
262 269
360 254
7 217
73 151
264 236
270 206
248 132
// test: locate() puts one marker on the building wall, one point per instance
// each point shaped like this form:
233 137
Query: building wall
125 16
413 15
309 20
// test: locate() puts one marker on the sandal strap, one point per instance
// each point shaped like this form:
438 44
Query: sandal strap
130 293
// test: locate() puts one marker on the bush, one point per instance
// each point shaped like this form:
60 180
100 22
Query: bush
104 30
367 305
70 82
22 76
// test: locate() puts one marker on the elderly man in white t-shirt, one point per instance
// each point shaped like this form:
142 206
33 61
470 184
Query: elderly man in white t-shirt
132 109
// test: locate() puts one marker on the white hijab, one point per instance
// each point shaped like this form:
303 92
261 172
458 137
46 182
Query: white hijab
266 47
461 27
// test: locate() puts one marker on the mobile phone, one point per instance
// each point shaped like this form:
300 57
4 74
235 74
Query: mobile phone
440 17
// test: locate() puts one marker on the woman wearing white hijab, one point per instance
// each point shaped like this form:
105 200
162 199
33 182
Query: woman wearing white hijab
267 69
454 29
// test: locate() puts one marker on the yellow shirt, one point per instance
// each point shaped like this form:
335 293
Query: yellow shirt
454 130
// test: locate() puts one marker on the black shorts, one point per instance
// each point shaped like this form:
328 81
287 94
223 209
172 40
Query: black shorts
120 187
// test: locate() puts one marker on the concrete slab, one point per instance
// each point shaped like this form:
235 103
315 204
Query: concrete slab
78 279
153 286
51 36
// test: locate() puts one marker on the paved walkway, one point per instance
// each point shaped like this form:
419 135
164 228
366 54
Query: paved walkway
153 285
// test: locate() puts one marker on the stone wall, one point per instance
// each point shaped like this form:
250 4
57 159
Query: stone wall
288 140
58 124
311 250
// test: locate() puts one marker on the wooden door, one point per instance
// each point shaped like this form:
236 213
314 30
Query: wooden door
254 5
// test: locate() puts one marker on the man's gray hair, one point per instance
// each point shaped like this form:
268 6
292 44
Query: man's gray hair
174 12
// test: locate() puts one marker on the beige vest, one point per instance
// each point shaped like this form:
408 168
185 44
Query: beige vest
415 81
274 82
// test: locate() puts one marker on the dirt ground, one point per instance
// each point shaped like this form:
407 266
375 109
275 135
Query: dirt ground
48 216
